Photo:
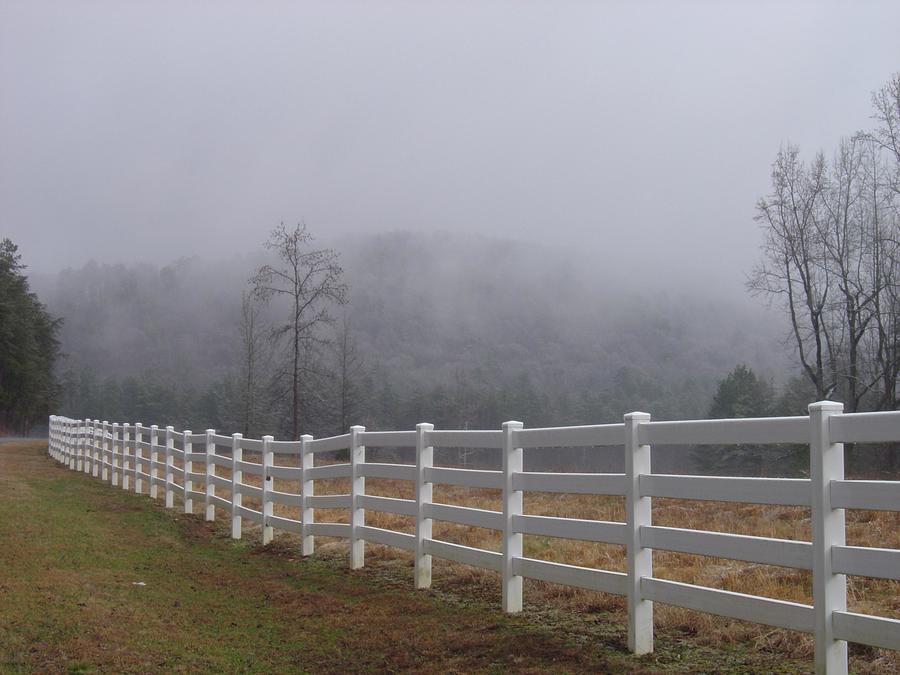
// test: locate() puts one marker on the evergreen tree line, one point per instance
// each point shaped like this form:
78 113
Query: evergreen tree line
29 349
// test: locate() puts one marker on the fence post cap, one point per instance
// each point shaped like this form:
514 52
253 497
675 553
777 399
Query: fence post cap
512 424
306 437
826 405
637 415
425 425
357 427
237 435
210 431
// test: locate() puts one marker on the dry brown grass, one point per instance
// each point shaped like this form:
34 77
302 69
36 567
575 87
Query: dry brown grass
864 528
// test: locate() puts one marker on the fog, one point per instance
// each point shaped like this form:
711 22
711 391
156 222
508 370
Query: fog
641 133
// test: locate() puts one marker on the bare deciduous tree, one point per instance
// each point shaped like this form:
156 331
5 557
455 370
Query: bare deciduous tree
312 282
831 256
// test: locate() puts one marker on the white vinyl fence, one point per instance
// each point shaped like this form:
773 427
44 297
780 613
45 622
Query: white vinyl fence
134 456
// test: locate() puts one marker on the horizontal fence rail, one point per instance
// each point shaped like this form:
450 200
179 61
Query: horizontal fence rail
143 459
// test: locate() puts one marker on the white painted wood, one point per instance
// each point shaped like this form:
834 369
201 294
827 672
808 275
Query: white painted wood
512 457
763 550
187 448
127 471
466 439
389 471
285 472
867 630
637 514
283 498
209 506
571 437
98 449
105 456
571 483
328 471
378 535
571 528
357 488
236 477
389 439
779 613
329 444
219 481
464 515
572 575
284 524
883 563
829 588
154 461
250 514
870 427
726 432
138 457
477 557
474 478
80 438
116 457
285 447
332 501
402 507
170 465
222 502
879 495
424 492
307 492
250 467
268 457
341 530
251 490
252 444
783 491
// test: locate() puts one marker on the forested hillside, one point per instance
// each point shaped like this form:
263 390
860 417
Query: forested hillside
459 330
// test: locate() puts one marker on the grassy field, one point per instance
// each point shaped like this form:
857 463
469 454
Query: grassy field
97 579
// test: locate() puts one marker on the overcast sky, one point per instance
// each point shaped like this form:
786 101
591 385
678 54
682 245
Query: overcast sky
641 132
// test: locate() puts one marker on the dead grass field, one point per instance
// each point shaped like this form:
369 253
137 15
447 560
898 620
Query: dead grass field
74 552
574 630
864 528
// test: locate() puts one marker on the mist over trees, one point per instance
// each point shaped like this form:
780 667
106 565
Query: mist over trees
29 348
459 330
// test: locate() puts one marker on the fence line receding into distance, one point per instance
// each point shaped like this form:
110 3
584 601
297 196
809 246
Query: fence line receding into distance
135 456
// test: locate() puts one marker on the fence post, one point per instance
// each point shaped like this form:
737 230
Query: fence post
307 489
154 459
237 476
104 459
424 461
82 446
94 465
138 457
170 464
79 445
88 445
267 532
126 456
829 589
637 513
187 447
70 443
512 506
357 488
208 502
116 461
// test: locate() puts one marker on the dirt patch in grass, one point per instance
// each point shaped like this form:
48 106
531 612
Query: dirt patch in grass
96 579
